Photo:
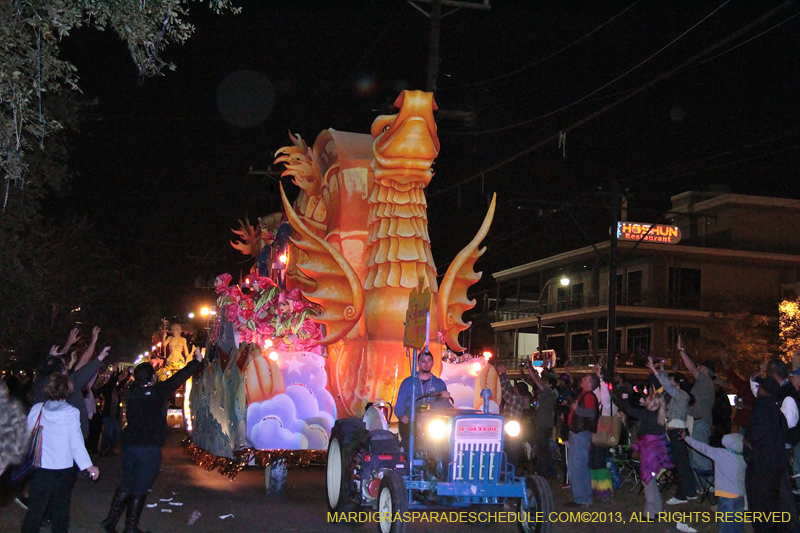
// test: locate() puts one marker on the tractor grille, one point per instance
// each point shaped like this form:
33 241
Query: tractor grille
477 450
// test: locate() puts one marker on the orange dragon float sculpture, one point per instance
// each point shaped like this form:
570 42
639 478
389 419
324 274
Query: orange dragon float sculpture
360 244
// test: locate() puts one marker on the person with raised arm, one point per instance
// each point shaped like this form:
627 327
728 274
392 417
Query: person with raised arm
677 410
142 439
544 420
80 376
512 409
701 411
744 396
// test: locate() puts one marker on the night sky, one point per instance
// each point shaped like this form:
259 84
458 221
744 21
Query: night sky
163 175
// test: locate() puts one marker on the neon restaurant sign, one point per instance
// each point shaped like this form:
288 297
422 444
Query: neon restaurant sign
632 231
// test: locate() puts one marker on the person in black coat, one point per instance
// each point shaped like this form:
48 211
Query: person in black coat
142 439
764 441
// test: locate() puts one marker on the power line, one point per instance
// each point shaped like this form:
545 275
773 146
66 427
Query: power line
639 177
747 41
732 163
579 100
331 94
546 58
613 104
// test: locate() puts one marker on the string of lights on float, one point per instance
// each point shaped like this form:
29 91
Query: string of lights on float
205 311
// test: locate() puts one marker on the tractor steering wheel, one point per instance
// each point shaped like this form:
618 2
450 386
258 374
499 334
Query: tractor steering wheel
429 395
437 395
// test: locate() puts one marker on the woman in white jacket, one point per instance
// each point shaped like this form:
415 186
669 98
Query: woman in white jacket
62 444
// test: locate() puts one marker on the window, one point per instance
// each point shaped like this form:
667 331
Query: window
639 340
689 336
602 340
555 342
563 298
505 346
635 287
684 288
580 346
577 296
580 342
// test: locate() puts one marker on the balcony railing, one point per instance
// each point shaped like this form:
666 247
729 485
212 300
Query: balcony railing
578 358
705 302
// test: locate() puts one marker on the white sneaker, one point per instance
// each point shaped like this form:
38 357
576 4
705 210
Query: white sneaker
675 501
692 497
685 528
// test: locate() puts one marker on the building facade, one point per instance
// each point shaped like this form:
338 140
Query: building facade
736 254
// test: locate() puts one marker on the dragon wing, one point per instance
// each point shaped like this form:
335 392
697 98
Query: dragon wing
249 237
453 289
339 292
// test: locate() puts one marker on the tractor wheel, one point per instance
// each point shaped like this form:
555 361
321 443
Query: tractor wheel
336 479
540 500
392 501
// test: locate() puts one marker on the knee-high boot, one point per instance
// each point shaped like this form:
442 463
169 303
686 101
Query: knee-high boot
115 512
135 507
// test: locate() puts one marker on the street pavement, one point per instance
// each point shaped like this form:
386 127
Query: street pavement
300 508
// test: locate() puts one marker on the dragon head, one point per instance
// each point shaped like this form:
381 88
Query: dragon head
300 165
406 143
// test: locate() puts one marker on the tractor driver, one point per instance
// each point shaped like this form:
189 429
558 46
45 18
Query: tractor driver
426 384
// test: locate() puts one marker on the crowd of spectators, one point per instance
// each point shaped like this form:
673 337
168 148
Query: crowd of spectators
76 403
679 428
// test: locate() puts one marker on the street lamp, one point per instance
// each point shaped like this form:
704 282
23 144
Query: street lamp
564 280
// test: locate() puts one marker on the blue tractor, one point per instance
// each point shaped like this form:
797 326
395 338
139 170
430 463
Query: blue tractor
457 462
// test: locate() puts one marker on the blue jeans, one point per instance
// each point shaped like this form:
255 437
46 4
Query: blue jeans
580 479
546 465
701 431
110 433
796 464
730 505
140 465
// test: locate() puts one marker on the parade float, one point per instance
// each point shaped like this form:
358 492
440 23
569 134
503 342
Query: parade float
315 331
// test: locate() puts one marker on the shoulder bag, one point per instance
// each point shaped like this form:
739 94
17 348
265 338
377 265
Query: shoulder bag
33 459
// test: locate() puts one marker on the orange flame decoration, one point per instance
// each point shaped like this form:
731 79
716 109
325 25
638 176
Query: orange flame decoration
375 248
359 245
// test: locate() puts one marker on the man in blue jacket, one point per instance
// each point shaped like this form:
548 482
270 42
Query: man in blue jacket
426 384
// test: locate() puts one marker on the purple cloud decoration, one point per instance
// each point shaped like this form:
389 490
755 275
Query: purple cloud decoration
300 418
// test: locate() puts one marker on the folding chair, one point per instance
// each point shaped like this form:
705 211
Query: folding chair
666 480
628 468
706 480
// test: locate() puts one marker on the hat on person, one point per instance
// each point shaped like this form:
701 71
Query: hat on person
769 385
795 372
710 366
733 442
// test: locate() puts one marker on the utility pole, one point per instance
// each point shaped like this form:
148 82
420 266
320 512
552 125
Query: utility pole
436 17
433 47
611 359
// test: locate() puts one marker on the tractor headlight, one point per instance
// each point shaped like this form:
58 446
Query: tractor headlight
512 428
437 429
